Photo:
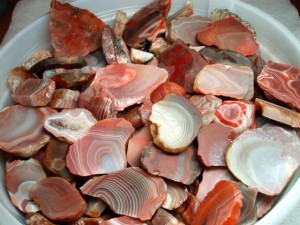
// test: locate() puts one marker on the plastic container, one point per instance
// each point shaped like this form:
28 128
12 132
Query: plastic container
270 34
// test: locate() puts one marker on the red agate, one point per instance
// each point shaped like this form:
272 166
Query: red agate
225 80
146 23
239 115
30 135
34 92
58 199
229 33
221 206
182 64
123 220
74 31
166 88
118 86
102 150
281 82
139 201
183 167
21 176
213 141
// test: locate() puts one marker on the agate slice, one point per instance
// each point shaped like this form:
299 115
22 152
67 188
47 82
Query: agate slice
176 196
102 149
74 31
34 92
221 205
182 64
118 86
58 199
138 201
278 113
229 81
248 211
213 141
264 158
229 33
88 221
17 76
36 57
20 177
183 167
37 219
136 145
281 82
163 217
64 99
55 158
175 123
147 23
187 28
30 135
239 115
123 220
165 89
70 124
207 105
210 177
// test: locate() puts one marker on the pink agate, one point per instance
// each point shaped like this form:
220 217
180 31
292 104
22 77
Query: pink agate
118 86
30 135
102 150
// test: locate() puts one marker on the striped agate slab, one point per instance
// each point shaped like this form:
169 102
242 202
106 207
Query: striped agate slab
281 82
183 167
225 80
30 135
102 149
34 92
20 177
130 192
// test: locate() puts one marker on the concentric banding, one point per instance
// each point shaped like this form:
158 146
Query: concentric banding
102 149
70 124
175 123
264 158
131 192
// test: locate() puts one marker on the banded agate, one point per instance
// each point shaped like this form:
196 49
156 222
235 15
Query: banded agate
102 149
20 178
281 82
30 135
139 201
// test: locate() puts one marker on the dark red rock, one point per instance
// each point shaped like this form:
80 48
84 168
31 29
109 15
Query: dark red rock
64 99
74 31
147 23
213 142
182 64
55 158
183 167
166 88
71 79
58 199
